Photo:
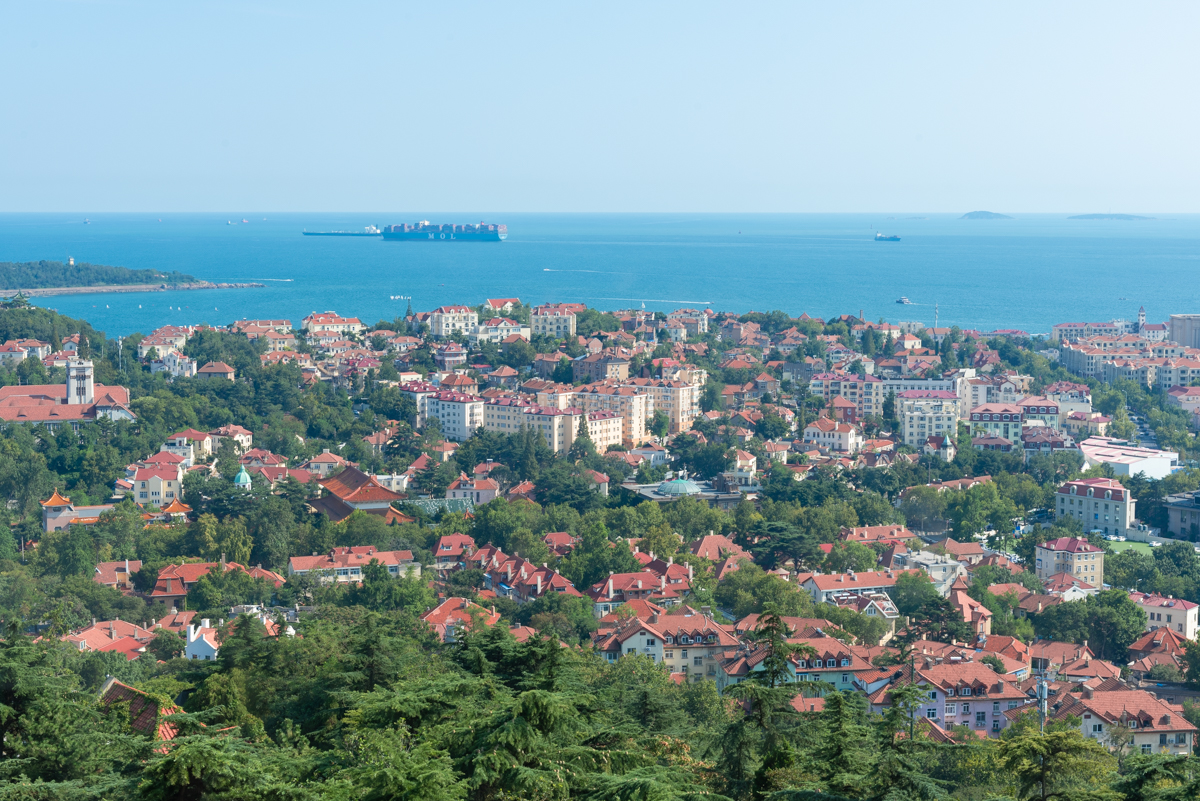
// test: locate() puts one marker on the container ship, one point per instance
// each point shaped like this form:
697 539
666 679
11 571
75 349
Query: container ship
426 231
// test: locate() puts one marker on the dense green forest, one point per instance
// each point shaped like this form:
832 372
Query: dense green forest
44 274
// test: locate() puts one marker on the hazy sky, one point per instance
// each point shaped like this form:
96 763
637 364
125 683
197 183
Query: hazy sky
569 106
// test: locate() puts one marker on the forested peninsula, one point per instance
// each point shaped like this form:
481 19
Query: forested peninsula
54 274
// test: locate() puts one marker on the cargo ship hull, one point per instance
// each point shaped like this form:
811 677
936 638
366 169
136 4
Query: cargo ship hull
445 236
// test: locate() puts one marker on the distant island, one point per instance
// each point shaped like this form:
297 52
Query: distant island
1108 217
984 215
33 278
55 274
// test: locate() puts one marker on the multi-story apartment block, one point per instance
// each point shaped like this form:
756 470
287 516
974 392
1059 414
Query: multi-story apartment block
1040 408
1101 504
558 427
630 403
861 390
446 320
419 392
925 413
600 367
556 320
604 429
1169 612
679 399
331 322
458 413
1184 329
997 420
1072 555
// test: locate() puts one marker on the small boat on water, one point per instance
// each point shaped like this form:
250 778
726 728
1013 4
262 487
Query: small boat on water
245 220
890 238
904 301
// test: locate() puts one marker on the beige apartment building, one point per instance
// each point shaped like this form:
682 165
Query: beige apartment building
445 320
679 399
632 405
927 413
558 427
605 428
555 320
1071 555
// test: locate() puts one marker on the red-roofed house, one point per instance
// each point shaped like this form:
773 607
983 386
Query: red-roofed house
353 490
1154 725
451 552
480 490
118 575
346 564
174 581
456 614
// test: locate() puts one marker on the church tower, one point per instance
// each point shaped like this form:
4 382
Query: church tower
80 386
1141 318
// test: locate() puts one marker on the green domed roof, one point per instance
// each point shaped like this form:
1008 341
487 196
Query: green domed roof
679 486
243 478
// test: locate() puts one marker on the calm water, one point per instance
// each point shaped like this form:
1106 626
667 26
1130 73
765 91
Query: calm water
1027 273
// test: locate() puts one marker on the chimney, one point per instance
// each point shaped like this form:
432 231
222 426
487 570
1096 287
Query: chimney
539 584
1088 693
654 618
610 586
462 603
670 561
691 573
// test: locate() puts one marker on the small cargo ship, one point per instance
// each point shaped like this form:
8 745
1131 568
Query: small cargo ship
370 230
882 238
425 231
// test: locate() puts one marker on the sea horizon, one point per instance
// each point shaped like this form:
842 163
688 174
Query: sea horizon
1028 272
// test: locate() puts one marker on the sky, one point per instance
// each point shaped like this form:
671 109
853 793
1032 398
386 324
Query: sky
595 107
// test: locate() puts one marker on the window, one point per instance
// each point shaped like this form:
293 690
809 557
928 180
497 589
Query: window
951 709
683 653
931 713
1162 739
995 706
668 655
1097 728
845 678
980 719
1145 748
651 641
697 660
966 708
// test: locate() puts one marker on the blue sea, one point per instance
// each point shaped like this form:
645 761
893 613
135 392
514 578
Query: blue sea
1028 272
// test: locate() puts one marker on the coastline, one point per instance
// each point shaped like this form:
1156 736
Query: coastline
96 290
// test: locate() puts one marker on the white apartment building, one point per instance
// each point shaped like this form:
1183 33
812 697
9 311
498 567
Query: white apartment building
1101 504
833 436
1168 612
332 322
497 330
925 413
459 414
445 320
